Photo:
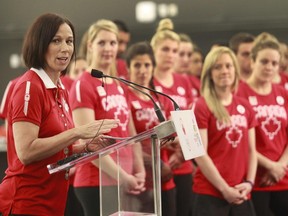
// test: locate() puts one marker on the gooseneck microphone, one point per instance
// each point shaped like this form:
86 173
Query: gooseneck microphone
96 73
100 74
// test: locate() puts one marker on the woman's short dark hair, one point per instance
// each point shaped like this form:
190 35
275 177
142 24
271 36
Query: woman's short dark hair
140 48
38 38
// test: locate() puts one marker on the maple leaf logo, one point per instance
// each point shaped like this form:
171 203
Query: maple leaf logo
122 114
271 126
234 136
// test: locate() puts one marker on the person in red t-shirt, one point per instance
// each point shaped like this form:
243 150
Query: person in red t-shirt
75 70
183 64
123 41
40 127
225 175
141 63
165 44
6 98
270 102
92 98
241 44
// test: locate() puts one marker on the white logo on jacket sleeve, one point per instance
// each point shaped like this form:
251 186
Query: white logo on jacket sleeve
78 94
27 97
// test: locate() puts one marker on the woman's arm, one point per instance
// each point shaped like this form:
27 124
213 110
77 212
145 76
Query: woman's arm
210 171
246 186
85 115
31 148
138 163
276 170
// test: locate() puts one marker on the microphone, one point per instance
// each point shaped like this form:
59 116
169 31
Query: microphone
159 114
100 74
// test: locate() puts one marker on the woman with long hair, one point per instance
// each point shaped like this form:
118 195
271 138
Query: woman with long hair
92 98
225 175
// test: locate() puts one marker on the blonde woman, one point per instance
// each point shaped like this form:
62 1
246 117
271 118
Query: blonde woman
90 100
225 175
165 44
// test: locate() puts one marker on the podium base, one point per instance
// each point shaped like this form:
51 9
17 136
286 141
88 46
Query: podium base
125 213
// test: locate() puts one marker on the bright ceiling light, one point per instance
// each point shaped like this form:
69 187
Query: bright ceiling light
145 11
173 9
163 10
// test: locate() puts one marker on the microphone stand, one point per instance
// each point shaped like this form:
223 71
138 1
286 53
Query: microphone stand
100 74
157 109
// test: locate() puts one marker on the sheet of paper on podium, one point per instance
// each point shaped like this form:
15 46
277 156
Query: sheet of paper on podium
188 133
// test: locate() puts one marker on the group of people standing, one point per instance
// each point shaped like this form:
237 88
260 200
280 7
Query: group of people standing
242 122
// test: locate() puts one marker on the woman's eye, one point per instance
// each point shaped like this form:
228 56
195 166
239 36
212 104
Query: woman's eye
70 42
55 40
101 43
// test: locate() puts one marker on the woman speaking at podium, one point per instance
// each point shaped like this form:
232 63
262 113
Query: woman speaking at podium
40 127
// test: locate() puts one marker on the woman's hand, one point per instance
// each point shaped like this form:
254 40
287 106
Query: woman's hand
176 159
233 195
96 128
274 174
244 188
133 184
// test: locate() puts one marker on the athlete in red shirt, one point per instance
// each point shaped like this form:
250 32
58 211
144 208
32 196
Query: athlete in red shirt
40 128
270 102
141 63
165 44
225 175
93 98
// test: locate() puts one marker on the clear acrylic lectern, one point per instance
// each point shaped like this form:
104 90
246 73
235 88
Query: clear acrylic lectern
115 201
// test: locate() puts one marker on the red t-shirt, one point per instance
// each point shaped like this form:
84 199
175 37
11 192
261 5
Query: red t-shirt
284 80
196 84
227 144
271 134
30 189
180 91
122 71
7 97
144 118
67 82
108 102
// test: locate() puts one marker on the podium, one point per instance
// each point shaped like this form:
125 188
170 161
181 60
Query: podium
115 200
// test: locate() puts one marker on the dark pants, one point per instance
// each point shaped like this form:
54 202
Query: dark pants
73 206
89 199
183 194
168 203
270 203
206 205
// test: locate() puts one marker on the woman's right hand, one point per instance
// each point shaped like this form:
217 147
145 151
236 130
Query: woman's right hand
96 128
